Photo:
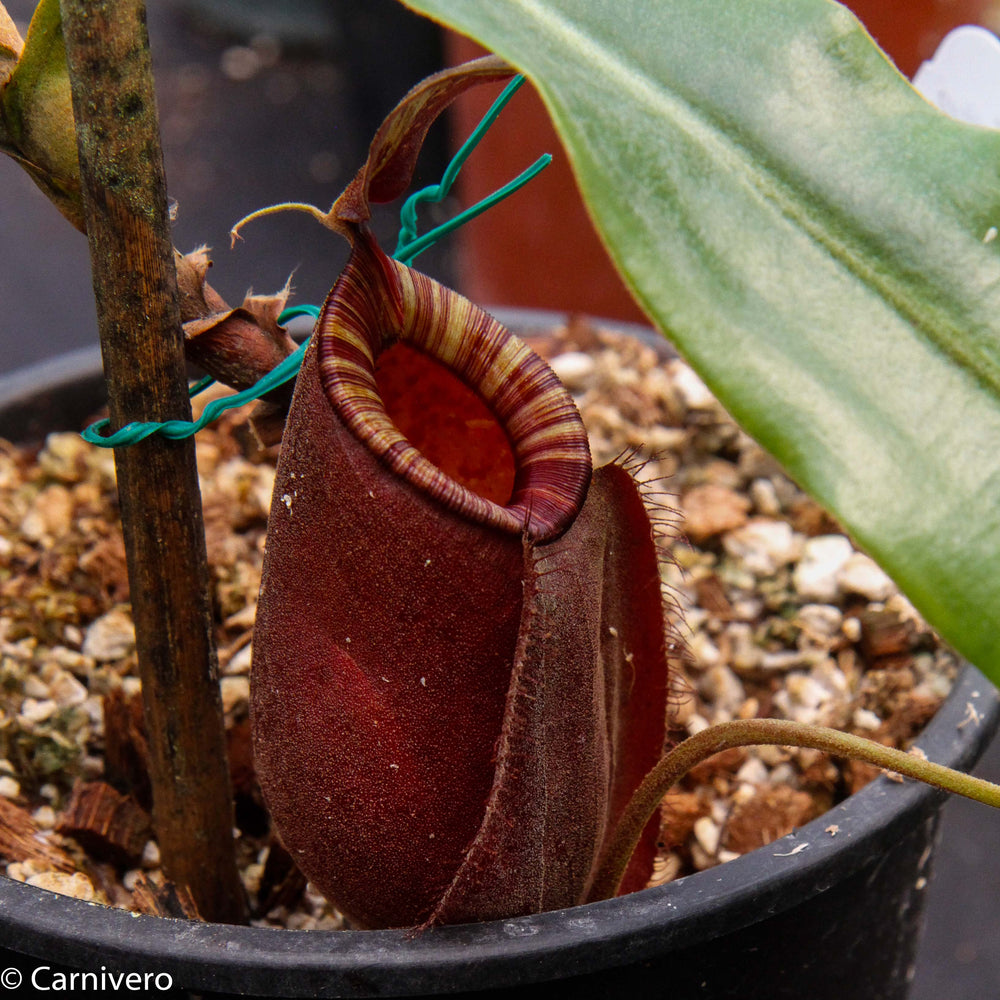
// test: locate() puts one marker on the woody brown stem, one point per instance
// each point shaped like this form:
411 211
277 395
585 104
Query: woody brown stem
124 196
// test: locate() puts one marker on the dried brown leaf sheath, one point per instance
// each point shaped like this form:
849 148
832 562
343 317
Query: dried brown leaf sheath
459 673
236 346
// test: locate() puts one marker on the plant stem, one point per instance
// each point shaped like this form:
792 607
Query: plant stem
124 194
760 732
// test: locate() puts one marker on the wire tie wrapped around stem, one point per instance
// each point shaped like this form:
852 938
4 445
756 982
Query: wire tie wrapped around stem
408 247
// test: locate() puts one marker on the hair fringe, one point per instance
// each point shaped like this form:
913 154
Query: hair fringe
665 520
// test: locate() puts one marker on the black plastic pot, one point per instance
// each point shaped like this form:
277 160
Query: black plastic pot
831 911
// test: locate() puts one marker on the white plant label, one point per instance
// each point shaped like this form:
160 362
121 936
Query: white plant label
963 76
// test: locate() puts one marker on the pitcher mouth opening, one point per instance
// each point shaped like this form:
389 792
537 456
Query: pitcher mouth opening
378 303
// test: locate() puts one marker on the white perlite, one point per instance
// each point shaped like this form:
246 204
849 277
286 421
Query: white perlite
823 557
860 575
110 637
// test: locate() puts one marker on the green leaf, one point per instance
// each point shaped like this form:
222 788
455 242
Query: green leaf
816 240
36 113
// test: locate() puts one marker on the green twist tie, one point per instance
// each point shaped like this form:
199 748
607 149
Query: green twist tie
178 429
409 244
408 247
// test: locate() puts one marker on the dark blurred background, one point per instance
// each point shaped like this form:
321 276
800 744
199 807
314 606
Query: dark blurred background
260 102
263 102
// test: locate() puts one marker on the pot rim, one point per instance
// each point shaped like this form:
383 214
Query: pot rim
502 953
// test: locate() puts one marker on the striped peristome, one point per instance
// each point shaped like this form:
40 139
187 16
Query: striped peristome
377 302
